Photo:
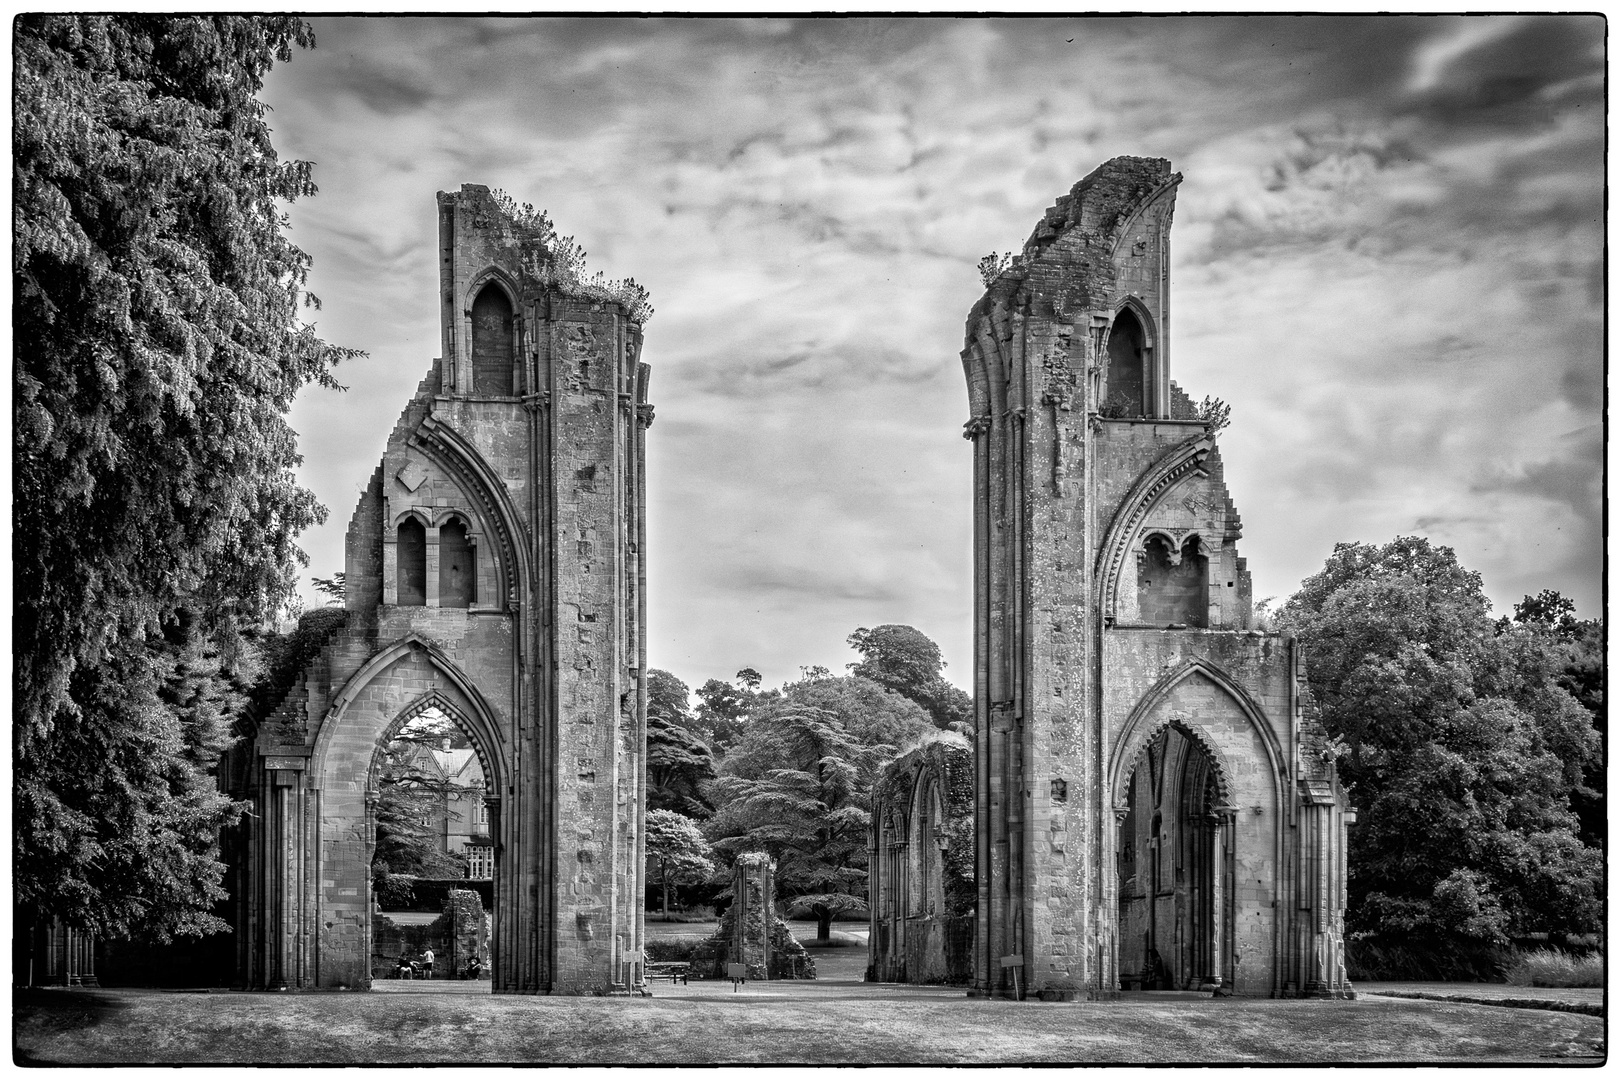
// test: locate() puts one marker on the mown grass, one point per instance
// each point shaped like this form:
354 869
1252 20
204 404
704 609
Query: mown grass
831 1025
1555 967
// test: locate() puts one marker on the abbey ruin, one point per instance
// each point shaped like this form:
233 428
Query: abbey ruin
1154 805
494 575
1147 802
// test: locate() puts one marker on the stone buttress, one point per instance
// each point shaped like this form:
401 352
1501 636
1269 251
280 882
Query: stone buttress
494 575
1157 806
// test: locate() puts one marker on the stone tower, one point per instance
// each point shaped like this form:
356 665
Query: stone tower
1157 806
494 575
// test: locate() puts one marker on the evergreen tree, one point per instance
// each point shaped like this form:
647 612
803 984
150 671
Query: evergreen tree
157 349
411 796
799 785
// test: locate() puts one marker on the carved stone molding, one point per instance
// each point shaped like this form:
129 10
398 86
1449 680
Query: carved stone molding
1179 463
975 427
644 415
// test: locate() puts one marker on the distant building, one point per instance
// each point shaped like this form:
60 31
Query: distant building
462 818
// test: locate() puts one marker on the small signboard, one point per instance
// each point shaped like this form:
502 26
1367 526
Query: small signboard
737 973
1015 961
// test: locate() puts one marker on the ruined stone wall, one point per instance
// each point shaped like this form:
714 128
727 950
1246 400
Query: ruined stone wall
544 668
920 888
1077 498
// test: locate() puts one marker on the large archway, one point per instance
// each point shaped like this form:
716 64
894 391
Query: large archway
432 856
1197 852
1172 865
402 683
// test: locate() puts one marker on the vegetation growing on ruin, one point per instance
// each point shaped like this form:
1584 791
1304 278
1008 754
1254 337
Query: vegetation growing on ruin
564 266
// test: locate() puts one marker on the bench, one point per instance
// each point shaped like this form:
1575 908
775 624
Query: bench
673 970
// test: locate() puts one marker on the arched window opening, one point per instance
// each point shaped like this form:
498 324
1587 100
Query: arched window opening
1171 585
458 566
492 342
1127 383
925 867
411 557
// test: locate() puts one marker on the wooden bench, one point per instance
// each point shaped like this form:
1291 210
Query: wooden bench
674 970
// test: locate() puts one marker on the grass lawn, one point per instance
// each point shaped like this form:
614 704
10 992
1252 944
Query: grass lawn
817 1023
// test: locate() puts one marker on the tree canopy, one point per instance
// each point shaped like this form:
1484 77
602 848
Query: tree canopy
798 784
1463 751
905 660
158 346
723 708
677 851
679 763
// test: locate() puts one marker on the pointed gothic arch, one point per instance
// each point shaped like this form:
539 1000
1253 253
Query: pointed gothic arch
489 497
1185 459
479 720
494 329
1145 721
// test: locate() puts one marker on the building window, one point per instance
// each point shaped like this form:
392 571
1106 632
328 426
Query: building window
457 566
412 559
492 342
480 862
1127 381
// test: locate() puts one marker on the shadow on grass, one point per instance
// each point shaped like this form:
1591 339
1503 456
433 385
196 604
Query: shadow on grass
52 1009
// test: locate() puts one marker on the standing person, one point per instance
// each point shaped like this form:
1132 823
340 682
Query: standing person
427 963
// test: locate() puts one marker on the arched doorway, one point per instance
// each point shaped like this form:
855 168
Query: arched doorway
1171 861
432 855
404 682
1196 783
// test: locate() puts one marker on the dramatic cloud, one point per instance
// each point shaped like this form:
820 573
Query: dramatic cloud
1388 258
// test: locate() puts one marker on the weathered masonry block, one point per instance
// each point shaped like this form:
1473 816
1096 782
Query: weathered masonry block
1156 805
495 574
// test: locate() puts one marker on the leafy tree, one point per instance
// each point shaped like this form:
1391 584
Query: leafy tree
158 348
679 763
335 587
906 660
1464 752
677 848
1555 646
809 809
873 715
410 798
799 784
723 708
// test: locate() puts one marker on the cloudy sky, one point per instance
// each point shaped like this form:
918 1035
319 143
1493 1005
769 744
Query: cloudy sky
1387 259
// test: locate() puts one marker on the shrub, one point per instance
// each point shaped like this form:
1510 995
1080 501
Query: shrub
1436 959
1554 967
